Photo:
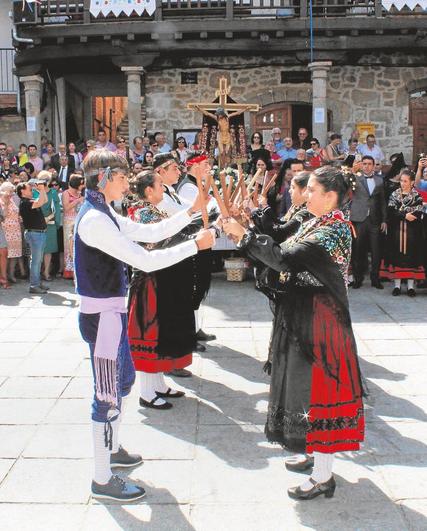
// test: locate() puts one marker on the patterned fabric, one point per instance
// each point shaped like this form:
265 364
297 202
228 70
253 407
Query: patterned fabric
406 203
332 231
147 213
293 211
12 230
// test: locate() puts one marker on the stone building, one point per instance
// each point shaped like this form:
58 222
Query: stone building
368 67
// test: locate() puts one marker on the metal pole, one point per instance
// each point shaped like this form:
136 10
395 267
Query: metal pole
311 33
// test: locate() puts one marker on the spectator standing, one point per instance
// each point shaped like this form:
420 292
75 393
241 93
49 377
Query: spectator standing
123 150
64 171
160 138
315 155
287 151
90 146
75 155
103 143
12 228
303 141
5 170
22 154
138 148
181 149
371 148
334 155
35 160
368 214
55 159
48 154
3 254
35 230
72 200
52 214
276 137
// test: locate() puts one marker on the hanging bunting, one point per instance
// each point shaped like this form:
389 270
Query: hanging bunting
400 4
116 7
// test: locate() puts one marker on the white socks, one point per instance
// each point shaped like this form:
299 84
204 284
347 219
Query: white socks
410 283
196 320
322 470
149 385
397 282
102 452
161 385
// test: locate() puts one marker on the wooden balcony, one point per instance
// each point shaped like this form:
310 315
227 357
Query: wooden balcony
67 12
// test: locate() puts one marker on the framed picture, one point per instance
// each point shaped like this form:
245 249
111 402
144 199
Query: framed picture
188 134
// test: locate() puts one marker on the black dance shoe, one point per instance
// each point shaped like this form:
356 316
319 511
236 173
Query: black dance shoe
327 488
117 489
123 459
203 336
170 394
396 292
200 347
153 405
357 284
180 373
377 284
300 466
411 293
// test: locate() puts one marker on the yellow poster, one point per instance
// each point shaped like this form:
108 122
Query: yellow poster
365 129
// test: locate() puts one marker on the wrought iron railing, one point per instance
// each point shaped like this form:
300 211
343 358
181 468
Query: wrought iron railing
78 11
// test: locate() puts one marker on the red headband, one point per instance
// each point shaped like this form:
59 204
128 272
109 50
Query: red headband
196 160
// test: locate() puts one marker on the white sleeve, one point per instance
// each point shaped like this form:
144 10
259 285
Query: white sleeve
170 206
98 230
152 233
188 192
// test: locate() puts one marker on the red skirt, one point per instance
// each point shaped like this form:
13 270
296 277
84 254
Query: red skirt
395 272
143 331
336 408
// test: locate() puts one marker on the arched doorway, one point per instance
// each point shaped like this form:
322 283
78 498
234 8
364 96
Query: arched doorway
288 116
418 120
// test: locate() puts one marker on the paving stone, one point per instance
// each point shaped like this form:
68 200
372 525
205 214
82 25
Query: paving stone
153 517
15 350
70 411
41 517
6 322
47 367
9 365
391 331
24 411
19 335
405 475
27 387
13 440
31 324
5 466
47 481
79 387
415 513
395 347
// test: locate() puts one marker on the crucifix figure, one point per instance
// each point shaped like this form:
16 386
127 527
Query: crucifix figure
222 116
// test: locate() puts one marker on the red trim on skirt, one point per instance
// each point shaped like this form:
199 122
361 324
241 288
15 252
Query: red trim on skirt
393 272
336 407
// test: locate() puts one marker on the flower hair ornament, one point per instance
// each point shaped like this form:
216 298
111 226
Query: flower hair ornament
348 174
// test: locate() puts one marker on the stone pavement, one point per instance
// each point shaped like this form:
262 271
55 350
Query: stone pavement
207 464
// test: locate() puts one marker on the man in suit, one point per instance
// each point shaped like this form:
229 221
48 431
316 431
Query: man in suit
368 214
64 172
62 151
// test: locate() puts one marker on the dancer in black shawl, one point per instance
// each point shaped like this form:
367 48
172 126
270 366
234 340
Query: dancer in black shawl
315 402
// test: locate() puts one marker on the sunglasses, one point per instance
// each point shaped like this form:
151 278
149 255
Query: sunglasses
154 145
181 141
313 143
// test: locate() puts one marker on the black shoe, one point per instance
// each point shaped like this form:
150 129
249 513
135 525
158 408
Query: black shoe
200 348
46 288
377 284
38 290
327 488
203 336
170 394
180 373
411 293
357 284
396 292
117 489
124 459
152 403
300 466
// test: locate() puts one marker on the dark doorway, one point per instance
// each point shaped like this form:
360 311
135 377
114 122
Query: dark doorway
301 117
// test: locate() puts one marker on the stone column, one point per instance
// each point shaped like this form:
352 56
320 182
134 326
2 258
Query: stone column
60 112
319 76
32 89
134 74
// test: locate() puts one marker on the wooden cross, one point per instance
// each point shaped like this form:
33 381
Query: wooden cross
222 93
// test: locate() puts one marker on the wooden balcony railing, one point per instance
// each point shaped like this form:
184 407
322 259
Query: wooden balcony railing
77 11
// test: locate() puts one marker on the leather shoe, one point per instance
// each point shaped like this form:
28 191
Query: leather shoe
300 466
377 284
38 290
411 293
357 284
180 373
203 336
396 292
170 394
327 488
152 403
200 348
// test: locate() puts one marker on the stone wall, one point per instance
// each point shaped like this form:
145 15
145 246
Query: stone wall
355 94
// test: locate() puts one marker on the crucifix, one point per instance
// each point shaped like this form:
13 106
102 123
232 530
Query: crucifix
222 116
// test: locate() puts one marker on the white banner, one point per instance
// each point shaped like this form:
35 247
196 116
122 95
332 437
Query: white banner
106 7
400 4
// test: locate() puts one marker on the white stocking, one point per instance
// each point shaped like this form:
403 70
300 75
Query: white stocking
410 283
101 453
161 384
196 320
148 382
397 282
322 470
